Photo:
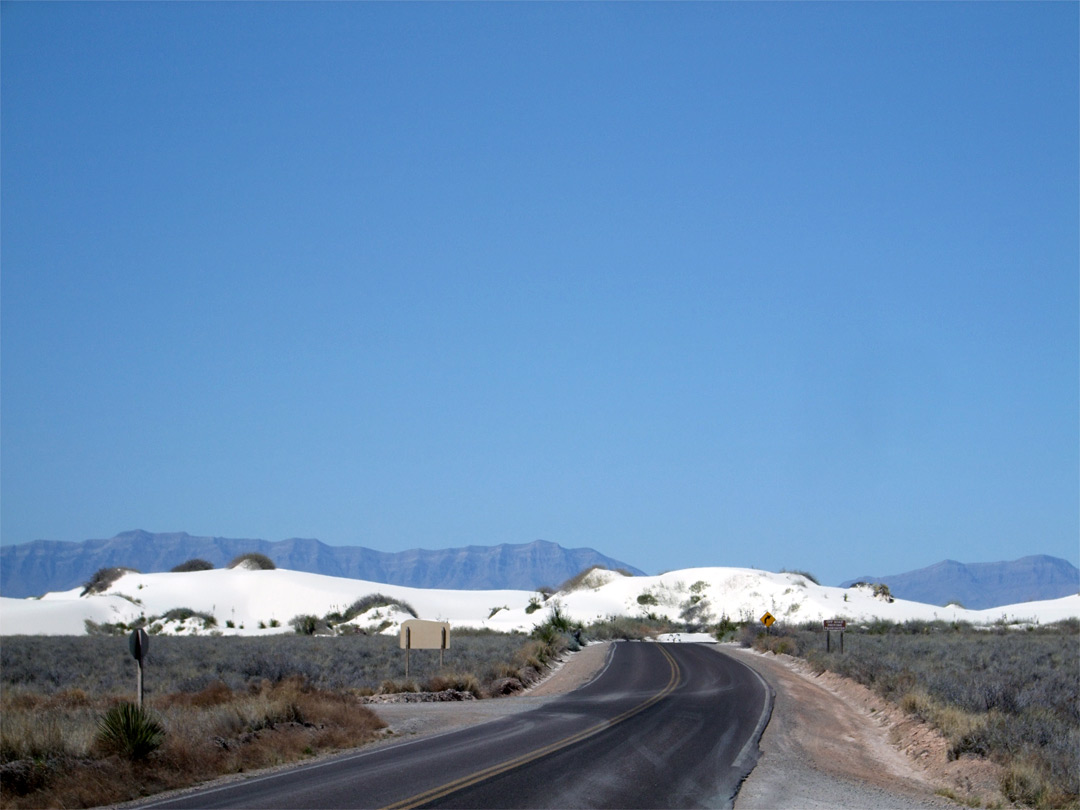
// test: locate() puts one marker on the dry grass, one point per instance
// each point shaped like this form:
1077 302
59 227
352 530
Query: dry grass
50 758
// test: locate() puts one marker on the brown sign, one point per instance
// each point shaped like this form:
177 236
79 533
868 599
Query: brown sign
418 634
835 624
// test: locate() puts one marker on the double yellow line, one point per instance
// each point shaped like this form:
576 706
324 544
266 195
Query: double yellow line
496 770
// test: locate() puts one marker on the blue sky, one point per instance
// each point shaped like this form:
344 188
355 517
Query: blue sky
693 284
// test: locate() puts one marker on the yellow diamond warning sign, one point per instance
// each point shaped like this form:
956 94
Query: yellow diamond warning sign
767 619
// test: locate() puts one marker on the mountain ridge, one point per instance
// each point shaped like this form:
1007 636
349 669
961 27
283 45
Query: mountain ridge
39 566
979 586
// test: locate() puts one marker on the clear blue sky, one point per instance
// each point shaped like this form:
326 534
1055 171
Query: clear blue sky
693 284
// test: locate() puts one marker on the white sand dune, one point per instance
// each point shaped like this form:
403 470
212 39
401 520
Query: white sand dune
248 598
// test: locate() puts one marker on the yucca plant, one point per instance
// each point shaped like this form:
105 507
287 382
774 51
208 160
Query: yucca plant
130 731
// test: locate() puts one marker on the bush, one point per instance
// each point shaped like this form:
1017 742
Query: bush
725 629
308 625
376 600
625 627
103 578
560 621
182 614
253 560
458 681
881 591
196 564
130 731
803 574
647 599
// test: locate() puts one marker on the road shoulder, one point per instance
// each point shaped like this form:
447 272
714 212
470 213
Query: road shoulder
823 749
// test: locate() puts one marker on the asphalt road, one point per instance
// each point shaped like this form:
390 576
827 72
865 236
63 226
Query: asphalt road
663 725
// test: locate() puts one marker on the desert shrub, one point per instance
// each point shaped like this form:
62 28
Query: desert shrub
103 578
626 627
647 599
694 611
803 574
725 629
458 681
195 564
105 628
130 731
181 614
253 559
533 606
881 591
558 620
307 624
393 687
376 600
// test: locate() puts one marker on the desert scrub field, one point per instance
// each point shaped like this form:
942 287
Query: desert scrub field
224 704
56 749
1012 695
101 665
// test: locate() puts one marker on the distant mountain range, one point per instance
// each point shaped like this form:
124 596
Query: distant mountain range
31 569
978 586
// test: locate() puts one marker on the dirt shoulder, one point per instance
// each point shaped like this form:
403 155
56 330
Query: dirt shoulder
833 743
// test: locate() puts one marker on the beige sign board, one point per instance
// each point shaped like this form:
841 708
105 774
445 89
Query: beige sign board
420 634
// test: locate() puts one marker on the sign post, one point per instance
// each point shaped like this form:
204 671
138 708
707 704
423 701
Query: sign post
830 625
139 643
418 634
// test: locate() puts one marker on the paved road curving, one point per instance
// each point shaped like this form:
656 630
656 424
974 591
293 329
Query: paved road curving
662 725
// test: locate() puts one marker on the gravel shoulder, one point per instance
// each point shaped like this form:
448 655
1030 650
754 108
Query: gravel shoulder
833 743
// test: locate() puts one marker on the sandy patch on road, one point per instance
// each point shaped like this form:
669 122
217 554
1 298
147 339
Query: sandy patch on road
834 743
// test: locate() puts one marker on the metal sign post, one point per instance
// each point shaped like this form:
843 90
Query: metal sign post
830 625
139 643
768 620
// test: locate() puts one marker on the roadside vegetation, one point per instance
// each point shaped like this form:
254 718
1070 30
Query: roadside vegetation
1012 695
70 736
69 748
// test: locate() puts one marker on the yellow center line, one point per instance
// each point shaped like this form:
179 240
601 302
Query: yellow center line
532 756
